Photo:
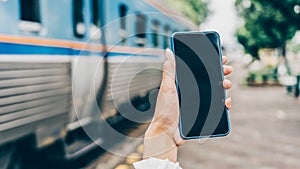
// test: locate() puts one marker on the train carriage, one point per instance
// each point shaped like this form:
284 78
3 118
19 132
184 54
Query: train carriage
72 64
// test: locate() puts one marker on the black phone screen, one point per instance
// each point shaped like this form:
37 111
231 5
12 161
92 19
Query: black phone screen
200 85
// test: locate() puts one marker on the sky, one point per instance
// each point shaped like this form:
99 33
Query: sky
224 20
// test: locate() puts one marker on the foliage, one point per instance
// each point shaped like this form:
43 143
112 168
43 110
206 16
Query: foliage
266 24
247 39
196 10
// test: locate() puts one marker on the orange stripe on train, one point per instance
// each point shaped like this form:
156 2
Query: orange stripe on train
77 45
49 42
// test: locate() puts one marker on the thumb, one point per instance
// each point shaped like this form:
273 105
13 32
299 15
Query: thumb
168 75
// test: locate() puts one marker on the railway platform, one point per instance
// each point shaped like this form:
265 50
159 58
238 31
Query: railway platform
264 134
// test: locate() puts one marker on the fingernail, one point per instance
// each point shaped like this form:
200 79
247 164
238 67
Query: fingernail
168 53
227 83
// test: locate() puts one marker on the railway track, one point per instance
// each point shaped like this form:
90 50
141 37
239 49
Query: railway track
132 149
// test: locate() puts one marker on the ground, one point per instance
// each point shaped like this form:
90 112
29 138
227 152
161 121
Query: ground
265 125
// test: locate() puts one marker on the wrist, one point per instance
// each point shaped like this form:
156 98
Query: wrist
158 144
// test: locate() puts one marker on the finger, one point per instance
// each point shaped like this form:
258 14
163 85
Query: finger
227 84
227 70
177 138
168 75
227 93
224 59
228 103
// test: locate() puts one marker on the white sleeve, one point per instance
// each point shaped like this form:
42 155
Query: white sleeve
154 163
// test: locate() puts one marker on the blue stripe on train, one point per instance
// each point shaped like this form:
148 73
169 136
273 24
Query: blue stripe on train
112 54
25 49
11 48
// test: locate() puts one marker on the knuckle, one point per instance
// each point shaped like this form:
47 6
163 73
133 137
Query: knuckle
166 120
168 88
166 66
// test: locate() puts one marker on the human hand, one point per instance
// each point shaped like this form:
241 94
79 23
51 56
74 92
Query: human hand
162 137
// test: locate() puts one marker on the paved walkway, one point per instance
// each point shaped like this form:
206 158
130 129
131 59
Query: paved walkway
265 132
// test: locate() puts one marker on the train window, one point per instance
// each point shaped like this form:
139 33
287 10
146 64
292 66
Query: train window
30 10
122 14
95 13
30 16
78 21
155 25
94 29
166 37
140 29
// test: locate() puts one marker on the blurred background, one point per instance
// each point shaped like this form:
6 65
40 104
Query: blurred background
78 80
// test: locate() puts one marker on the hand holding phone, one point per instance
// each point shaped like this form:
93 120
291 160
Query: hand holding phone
164 126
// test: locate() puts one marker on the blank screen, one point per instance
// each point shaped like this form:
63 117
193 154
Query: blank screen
200 87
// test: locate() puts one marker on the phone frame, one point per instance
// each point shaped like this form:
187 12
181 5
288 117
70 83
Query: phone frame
176 83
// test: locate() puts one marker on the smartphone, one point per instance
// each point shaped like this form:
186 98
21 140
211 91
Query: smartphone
199 82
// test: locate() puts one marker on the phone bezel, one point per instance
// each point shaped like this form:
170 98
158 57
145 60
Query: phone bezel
221 64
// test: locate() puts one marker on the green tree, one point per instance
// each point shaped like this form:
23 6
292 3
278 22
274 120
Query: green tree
266 24
289 8
196 10
248 41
